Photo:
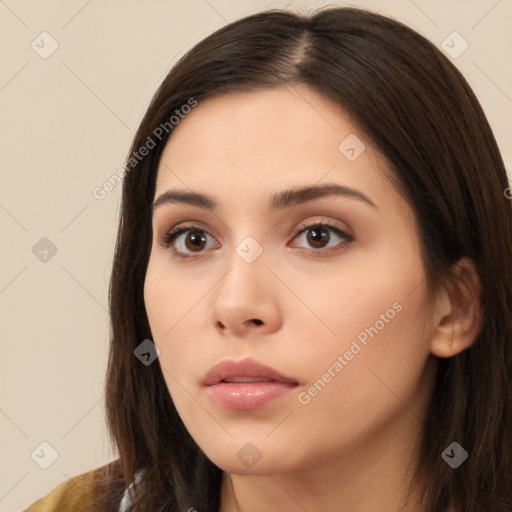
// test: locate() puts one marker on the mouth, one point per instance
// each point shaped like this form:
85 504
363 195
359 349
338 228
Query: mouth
246 379
246 384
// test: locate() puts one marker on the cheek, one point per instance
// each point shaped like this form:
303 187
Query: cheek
169 297
176 315
373 365
370 342
372 302
383 381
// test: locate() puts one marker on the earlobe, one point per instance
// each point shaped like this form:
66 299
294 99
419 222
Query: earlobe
459 313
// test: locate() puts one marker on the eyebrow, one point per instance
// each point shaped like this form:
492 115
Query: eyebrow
279 201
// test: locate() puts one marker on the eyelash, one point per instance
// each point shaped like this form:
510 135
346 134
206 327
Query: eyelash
170 236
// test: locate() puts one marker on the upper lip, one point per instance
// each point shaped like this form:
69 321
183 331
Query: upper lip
229 368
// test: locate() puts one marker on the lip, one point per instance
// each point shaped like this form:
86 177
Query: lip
255 384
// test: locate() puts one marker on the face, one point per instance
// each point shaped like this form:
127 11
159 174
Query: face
326 287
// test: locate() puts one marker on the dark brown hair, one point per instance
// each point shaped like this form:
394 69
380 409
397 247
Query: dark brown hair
416 109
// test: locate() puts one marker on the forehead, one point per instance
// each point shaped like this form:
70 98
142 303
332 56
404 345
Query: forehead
246 145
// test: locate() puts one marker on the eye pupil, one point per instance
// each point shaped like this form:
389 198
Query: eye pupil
196 238
319 236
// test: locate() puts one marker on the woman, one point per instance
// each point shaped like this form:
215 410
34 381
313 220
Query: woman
311 291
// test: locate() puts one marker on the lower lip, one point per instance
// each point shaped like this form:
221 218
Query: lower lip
248 395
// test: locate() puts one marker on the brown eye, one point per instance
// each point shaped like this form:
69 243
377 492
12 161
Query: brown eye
195 240
320 235
187 240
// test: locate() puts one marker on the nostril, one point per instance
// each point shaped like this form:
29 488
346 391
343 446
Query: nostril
257 321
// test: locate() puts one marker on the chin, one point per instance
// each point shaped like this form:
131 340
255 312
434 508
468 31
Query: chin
236 467
247 458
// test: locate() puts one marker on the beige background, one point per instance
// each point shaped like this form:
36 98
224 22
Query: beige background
67 122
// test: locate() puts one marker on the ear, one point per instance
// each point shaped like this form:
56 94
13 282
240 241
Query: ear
459 313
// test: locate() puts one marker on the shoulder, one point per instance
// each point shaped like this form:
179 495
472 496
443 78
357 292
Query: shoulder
86 492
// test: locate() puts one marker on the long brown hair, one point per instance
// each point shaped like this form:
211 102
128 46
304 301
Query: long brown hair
419 111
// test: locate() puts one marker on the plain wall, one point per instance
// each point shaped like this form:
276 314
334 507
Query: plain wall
66 125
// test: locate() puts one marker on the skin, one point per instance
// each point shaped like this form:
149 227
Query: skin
353 445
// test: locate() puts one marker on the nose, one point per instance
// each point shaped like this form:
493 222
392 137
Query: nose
246 300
